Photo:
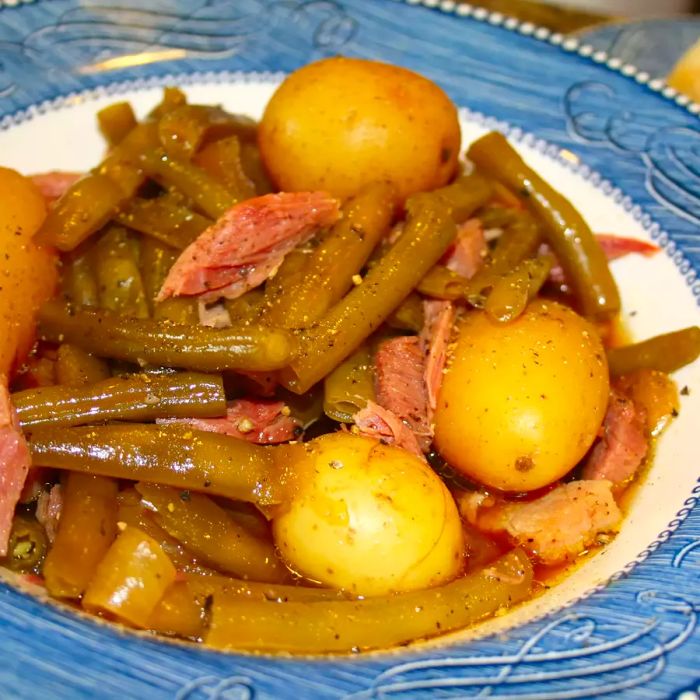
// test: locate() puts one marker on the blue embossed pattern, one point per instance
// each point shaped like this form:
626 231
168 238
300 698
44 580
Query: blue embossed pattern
636 638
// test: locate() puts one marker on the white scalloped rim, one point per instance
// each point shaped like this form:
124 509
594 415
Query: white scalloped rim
529 141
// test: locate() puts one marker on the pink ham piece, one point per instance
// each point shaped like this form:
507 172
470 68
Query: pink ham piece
400 384
434 339
54 184
618 246
261 422
623 446
558 526
247 244
48 510
466 255
378 422
14 465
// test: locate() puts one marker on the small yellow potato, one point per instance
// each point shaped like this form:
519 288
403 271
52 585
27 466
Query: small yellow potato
522 402
369 518
29 272
339 123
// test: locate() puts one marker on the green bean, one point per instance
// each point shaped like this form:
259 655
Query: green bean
122 164
288 276
665 353
222 160
83 209
349 386
184 130
166 344
443 283
116 121
331 267
512 293
336 626
428 232
27 546
575 246
172 455
307 408
519 241
78 276
253 167
138 397
459 196
164 219
75 367
193 518
118 276
409 316
246 308
210 196
172 99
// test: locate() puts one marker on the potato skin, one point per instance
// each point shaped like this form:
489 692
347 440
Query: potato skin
339 123
368 518
522 402
29 271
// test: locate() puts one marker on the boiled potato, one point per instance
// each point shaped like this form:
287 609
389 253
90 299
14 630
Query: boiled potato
521 402
29 272
369 518
339 123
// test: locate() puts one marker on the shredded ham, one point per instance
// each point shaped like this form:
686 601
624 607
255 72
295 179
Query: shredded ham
257 421
48 510
14 464
378 422
558 526
400 384
54 184
466 255
247 244
216 316
624 444
434 339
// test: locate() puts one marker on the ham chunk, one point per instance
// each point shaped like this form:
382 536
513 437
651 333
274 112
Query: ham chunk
378 422
400 384
14 465
466 255
258 421
247 244
558 526
624 445
48 510
54 184
434 339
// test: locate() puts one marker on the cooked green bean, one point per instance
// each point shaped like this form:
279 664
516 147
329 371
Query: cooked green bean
575 246
238 623
247 307
331 267
173 455
209 195
122 164
290 274
27 546
665 353
162 343
164 219
349 386
182 131
222 160
116 121
78 276
120 287
409 315
172 98
137 397
443 283
75 367
428 232
193 518
459 196
511 294
253 167
83 209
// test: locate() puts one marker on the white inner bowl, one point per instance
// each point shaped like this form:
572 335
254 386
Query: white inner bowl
656 297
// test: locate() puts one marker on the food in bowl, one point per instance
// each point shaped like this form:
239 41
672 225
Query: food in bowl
291 394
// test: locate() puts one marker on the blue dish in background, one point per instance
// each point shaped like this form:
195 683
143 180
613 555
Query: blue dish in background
636 638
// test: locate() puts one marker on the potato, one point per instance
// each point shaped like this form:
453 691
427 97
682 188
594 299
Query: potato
521 402
339 123
29 272
369 518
